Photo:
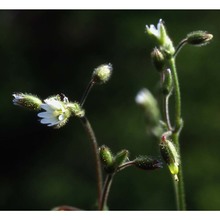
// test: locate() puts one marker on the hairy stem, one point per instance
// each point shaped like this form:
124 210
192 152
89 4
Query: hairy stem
179 185
93 140
86 93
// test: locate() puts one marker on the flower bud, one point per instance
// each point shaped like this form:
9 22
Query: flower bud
167 84
152 113
107 159
75 109
121 157
170 156
28 101
158 59
102 73
147 163
199 38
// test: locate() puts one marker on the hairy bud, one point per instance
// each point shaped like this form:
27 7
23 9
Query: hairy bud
27 101
102 73
199 38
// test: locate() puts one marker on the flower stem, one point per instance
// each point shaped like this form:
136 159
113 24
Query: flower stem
178 185
166 111
106 189
180 46
86 93
93 140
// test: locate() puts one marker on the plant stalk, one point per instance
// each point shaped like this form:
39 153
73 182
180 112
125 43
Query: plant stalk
86 93
178 185
106 189
93 140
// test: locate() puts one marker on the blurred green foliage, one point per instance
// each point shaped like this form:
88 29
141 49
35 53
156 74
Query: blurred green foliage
49 52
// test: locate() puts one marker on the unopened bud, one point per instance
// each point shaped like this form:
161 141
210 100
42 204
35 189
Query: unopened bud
199 38
152 113
147 163
158 59
167 84
107 159
28 101
170 156
121 157
102 73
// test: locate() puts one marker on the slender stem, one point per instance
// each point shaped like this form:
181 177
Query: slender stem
180 46
93 140
166 111
178 119
179 185
125 165
106 189
86 93
108 182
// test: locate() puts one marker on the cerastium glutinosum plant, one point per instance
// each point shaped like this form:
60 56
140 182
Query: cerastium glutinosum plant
58 110
167 130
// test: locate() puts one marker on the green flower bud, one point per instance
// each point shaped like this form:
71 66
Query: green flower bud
107 159
158 59
121 157
167 84
75 109
147 163
102 73
147 101
170 156
199 38
28 101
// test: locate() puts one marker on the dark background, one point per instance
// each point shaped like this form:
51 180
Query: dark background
49 52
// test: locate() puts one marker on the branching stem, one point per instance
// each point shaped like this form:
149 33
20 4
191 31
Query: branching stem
106 189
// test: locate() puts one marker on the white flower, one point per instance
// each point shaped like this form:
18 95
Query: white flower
156 32
161 36
56 114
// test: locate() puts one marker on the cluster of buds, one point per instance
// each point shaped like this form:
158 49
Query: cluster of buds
57 108
111 162
165 49
120 161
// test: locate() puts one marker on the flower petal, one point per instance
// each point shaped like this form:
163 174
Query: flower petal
54 104
47 107
45 115
49 121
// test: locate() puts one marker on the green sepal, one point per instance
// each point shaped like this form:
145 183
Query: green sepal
121 158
